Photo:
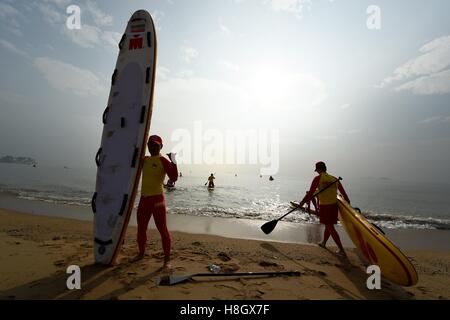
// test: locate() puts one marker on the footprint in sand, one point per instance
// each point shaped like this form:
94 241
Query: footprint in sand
229 267
227 287
223 256
271 265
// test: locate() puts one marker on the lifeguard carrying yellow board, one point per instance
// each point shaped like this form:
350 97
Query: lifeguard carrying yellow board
375 247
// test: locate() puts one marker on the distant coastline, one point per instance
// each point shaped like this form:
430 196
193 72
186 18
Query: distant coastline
18 160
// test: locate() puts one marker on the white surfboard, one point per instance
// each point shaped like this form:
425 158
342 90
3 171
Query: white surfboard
126 123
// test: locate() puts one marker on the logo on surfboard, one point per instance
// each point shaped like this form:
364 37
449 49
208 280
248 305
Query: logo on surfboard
137 38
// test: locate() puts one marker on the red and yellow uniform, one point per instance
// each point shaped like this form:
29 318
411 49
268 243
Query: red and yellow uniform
328 209
152 200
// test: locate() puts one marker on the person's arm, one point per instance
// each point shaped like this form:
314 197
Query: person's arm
310 194
170 168
342 191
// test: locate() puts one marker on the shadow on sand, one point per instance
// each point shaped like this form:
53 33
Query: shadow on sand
355 274
92 276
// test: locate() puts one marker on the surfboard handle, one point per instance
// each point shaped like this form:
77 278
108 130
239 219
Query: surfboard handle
103 243
142 114
121 41
135 154
113 77
93 202
124 203
105 114
97 157
147 75
149 39
377 227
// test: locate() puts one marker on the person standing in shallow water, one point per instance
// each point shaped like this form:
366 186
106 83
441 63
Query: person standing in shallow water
211 181
328 208
152 201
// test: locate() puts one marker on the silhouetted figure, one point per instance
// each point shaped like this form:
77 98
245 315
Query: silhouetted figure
211 181
271 178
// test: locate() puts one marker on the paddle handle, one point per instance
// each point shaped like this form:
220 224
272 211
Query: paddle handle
291 273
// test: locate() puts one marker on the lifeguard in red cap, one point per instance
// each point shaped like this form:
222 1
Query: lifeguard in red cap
152 200
328 208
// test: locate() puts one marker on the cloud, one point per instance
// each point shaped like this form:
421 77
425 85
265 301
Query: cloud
59 3
10 16
89 36
229 65
430 70
225 30
189 53
162 73
100 18
185 73
51 14
7 11
157 17
12 48
345 106
295 7
436 119
438 83
69 78
86 37
110 37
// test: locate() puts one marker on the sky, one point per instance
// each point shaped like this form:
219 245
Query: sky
361 85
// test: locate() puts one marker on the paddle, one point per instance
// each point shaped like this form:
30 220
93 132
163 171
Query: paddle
171 280
269 226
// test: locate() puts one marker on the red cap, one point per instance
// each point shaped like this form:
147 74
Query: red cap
156 139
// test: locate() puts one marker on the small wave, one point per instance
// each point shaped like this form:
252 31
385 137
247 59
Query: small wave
225 206
67 196
392 221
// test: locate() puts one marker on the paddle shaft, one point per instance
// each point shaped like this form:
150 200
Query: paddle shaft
245 274
313 197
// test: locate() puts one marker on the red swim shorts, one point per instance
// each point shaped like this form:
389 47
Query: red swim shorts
328 213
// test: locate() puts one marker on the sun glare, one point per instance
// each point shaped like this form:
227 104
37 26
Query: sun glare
268 86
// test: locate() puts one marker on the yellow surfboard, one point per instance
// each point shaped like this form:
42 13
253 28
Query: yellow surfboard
375 247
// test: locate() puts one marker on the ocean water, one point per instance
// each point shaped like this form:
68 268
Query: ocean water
388 203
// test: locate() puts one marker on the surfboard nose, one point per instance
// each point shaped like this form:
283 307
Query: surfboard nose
140 14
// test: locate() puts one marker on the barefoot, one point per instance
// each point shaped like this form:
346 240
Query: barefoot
167 266
342 253
138 257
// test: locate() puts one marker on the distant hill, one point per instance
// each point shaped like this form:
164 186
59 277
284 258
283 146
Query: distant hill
18 160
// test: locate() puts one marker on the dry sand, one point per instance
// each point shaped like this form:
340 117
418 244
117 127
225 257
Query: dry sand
36 250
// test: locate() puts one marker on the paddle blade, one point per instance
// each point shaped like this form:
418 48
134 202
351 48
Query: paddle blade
170 280
269 226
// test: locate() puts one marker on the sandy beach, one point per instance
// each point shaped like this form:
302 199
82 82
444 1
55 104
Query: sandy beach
36 250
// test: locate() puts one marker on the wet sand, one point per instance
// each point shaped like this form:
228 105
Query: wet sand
36 250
